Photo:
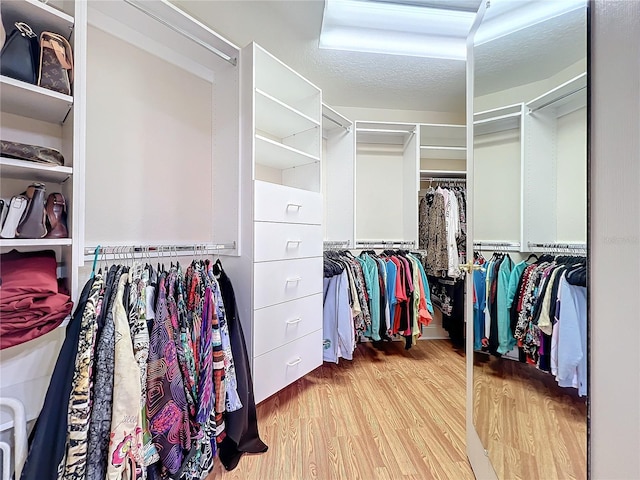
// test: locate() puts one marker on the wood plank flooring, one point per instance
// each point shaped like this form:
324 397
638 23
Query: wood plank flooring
532 428
389 414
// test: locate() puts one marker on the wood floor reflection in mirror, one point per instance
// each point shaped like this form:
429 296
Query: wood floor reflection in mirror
548 438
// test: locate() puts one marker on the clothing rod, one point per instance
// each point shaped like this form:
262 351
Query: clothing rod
567 246
498 246
335 121
443 179
142 251
336 242
383 130
385 244
551 102
232 60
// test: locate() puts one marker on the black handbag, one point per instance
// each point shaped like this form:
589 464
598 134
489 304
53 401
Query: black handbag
19 57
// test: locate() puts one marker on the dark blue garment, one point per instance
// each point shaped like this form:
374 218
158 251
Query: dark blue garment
48 438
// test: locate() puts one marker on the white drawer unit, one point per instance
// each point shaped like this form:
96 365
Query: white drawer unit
279 203
280 324
279 282
278 368
283 241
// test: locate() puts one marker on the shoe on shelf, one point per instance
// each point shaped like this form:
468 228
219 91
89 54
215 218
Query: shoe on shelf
56 211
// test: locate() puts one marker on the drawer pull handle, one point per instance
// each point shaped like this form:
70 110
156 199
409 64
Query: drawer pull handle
294 279
294 242
294 362
297 206
293 321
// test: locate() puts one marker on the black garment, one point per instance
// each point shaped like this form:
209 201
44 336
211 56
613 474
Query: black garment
241 425
47 441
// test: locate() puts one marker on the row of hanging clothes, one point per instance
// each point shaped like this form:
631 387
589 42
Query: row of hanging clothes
376 296
538 305
443 227
152 380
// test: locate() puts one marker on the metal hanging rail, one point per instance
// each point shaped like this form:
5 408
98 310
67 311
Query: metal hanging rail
443 179
384 244
562 97
113 252
232 60
336 122
497 246
336 244
575 248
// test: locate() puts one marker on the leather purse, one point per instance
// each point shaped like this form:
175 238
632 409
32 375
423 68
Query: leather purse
20 53
31 153
56 214
56 63
32 224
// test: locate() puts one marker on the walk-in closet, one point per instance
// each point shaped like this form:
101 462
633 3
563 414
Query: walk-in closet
326 239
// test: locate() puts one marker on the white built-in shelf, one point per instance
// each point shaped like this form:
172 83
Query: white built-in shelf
279 119
384 133
280 81
38 15
498 119
443 173
35 242
21 169
333 121
443 134
564 99
31 101
277 155
441 152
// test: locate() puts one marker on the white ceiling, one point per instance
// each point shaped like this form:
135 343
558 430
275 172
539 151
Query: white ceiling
290 29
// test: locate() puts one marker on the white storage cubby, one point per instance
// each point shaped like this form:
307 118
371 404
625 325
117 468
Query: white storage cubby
554 188
33 115
338 176
175 161
443 151
287 127
498 153
387 182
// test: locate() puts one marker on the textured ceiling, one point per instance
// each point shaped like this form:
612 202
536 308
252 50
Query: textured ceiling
291 29
535 53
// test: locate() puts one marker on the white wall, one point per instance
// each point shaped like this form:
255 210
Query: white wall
149 144
614 239
571 194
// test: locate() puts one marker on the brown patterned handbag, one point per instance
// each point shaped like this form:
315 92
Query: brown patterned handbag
56 63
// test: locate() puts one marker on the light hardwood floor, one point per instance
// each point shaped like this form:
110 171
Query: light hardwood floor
388 414
532 428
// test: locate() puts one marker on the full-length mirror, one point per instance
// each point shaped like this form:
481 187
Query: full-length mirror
530 216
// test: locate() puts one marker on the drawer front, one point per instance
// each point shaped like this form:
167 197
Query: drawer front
282 241
279 282
280 324
280 367
277 203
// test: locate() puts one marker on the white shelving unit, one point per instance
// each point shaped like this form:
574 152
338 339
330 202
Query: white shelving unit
498 119
387 159
37 116
278 278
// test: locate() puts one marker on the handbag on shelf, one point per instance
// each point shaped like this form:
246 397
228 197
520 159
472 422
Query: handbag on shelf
31 153
20 54
56 63
32 224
